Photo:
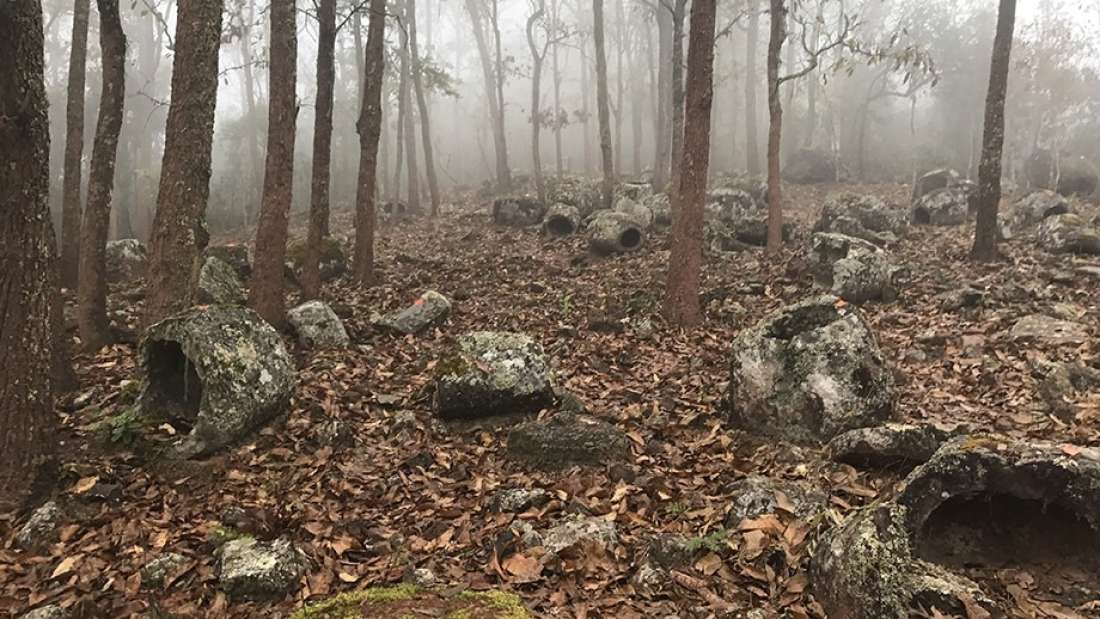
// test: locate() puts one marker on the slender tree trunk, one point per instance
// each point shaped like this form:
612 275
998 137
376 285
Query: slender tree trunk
266 294
408 123
370 129
496 113
74 147
620 42
664 98
636 99
677 137
989 174
536 98
91 315
422 106
601 102
752 149
775 127
681 306
555 6
504 172
178 233
322 149
811 88
28 266
253 132
585 111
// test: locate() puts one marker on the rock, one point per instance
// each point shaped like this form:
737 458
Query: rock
611 232
429 309
1075 175
756 495
959 298
252 570
154 573
561 220
1036 207
50 611
633 190
570 532
333 433
1047 330
893 445
394 210
317 326
126 261
1069 234
807 166
333 264
942 207
931 181
566 440
650 579
864 217
744 224
1059 382
808 372
219 370
756 187
423 578
725 200
581 192
517 211
855 270
40 530
218 283
1089 271
233 254
519 499
409 600
492 373
661 207
640 213
980 502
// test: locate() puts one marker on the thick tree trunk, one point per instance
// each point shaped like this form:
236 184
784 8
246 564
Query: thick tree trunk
664 98
676 142
74 147
178 233
602 104
989 174
752 149
369 128
422 106
266 294
536 98
322 149
681 306
91 314
775 126
28 268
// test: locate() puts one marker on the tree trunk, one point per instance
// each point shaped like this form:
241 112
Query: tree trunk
585 111
496 114
752 150
811 88
664 98
775 126
250 101
636 98
989 174
74 147
681 306
602 103
677 138
399 140
536 98
266 294
504 173
178 234
369 128
408 122
28 268
555 6
91 314
322 149
422 106
620 42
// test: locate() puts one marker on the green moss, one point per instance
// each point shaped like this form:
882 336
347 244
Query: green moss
220 535
509 604
452 365
122 428
347 605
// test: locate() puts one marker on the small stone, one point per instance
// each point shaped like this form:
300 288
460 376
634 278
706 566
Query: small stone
403 422
650 579
318 326
518 499
429 309
252 570
959 298
1048 330
756 495
155 571
423 578
570 532
40 529
566 440
51 611
670 551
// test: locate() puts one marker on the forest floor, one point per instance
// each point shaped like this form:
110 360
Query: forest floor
368 513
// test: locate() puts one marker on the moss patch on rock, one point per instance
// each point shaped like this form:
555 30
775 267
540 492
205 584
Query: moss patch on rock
407 600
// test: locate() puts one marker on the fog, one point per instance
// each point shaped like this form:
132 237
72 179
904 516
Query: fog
904 92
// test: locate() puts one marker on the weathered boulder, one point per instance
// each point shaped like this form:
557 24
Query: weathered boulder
561 220
1048 330
415 600
219 370
517 211
892 445
611 232
807 166
661 207
722 201
233 254
126 260
980 502
865 217
491 373
218 283
809 372
333 264
943 207
931 181
40 530
640 213
429 309
1059 382
756 495
253 570
317 326
581 192
1069 234
634 190
854 269
755 186
734 220
1035 207
566 440
1074 175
